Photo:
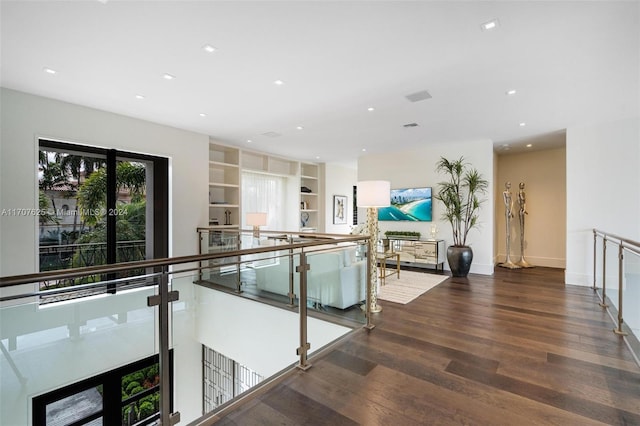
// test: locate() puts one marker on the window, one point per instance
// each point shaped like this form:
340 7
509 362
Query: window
267 194
127 395
99 207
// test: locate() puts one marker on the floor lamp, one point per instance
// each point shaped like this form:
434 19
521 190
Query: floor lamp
373 194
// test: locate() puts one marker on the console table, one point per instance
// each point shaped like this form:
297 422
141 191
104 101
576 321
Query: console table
418 252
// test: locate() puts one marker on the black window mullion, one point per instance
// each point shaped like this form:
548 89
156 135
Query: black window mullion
112 238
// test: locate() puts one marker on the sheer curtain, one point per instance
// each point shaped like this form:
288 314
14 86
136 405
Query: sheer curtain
264 193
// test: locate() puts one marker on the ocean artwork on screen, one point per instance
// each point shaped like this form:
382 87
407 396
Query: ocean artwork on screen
408 204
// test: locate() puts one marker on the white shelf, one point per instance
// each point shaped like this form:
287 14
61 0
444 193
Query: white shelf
223 205
221 164
224 185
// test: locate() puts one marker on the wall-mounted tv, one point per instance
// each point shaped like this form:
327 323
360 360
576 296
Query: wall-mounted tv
408 204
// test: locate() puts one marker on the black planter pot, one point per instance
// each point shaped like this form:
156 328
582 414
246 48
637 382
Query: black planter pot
459 259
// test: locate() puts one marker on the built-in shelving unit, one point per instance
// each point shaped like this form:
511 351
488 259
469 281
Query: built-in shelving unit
309 197
265 163
224 186
226 165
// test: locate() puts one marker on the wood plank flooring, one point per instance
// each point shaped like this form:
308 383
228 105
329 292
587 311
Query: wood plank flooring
517 348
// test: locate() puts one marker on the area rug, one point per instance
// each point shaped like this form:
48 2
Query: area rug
409 286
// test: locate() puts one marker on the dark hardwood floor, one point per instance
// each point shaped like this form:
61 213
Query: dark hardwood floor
517 348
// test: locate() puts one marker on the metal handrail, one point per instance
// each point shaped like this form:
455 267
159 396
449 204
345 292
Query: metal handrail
623 244
313 240
165 296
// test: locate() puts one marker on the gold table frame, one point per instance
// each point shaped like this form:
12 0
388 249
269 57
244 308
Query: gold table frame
382 258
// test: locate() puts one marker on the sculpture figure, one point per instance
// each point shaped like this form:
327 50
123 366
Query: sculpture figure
508 214
523 211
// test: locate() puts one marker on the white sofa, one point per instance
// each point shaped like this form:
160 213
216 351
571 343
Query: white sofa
335 278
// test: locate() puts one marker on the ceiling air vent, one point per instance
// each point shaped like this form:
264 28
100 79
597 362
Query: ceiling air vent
410 125
419 96
271 134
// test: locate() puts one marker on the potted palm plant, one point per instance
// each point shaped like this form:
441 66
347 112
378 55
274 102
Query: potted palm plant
459 194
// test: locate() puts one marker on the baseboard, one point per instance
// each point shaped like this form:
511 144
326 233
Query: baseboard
548 262
578 279
482 269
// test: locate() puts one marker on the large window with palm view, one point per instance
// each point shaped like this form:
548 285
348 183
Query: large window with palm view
99 207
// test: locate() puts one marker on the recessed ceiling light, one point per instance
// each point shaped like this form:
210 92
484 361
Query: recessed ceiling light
202 114
511 92
138 96
490 25
371 109
364 149
278 82
523 124
50 71
167 76
529 145
249 141
317 157
208 48
299 127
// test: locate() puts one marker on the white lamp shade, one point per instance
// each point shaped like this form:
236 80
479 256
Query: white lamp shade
374 193
256 219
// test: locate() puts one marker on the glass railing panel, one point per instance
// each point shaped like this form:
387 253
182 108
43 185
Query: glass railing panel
224 344
337 281
48 346
612 273
272 276
631 303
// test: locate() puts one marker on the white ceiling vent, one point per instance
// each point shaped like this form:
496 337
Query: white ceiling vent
419 96
271 134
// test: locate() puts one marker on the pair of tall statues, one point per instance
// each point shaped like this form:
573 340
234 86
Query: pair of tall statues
508 204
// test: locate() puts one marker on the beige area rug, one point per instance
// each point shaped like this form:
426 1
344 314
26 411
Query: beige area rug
409 286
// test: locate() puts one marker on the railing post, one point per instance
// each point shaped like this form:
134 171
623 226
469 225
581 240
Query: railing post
166 416
595 247
292 295
618 330
604 273
302 307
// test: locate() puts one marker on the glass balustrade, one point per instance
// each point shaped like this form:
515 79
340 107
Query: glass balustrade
189 336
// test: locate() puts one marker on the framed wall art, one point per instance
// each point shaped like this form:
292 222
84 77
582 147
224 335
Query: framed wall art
339 209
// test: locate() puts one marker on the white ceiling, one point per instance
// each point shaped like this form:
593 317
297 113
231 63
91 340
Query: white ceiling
571 63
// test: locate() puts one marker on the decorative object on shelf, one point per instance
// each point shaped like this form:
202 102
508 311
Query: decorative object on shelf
304 219
373 194
522 202
227 217
305 190
256 220
304 205
409 235
508 214
434 232
339 209
459 194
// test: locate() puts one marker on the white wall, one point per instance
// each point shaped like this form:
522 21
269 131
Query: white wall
603 190
418 168
544 175
25 118
339 180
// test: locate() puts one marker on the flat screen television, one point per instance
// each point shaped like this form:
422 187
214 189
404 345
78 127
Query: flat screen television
408 204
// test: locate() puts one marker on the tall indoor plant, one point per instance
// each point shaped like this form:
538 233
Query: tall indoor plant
459 194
